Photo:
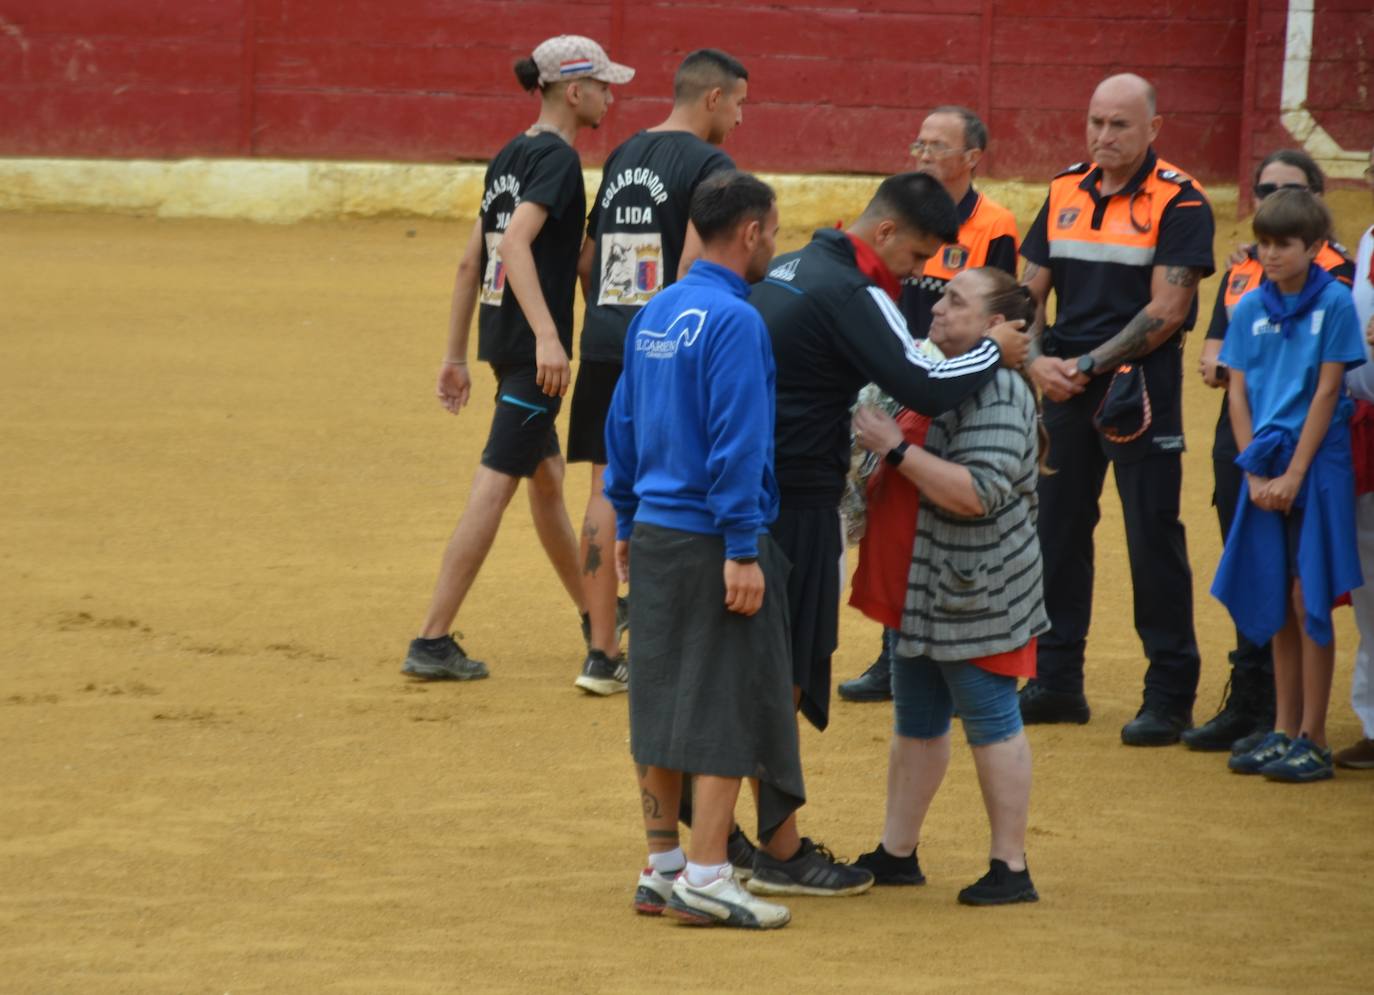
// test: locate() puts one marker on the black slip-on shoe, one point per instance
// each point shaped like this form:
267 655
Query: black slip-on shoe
1000 886
887 869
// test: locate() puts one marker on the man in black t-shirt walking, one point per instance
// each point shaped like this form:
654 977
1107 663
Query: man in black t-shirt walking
639 239
521 262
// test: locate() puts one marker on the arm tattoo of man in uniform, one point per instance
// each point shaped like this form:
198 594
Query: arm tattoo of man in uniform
1182 276
1037 327
593 561
1131 342
1134 341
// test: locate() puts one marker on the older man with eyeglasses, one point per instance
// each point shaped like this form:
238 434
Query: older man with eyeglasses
949 146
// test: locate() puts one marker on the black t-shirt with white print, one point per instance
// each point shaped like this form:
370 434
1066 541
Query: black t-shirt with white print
544 170
638 224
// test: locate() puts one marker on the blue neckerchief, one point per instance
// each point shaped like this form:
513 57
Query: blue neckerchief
1286 313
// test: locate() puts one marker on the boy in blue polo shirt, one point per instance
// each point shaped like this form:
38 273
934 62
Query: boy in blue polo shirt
1291 550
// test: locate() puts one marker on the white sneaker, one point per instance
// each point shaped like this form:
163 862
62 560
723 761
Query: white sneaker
652 893
723 902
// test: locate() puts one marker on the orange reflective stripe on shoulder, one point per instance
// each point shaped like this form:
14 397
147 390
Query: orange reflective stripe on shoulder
1241 280
1331 257
988 221
1127 232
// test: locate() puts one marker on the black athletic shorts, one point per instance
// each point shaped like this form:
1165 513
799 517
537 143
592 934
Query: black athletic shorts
522 430
591 402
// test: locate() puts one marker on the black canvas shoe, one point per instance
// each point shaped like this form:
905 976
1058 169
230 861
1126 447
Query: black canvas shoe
1155 726
887 869
1000 886
874 684
813 870
740 850
441 660
602 675
1042 706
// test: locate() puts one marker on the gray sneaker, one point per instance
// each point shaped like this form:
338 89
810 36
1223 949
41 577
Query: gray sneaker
740 850
448 663
813 870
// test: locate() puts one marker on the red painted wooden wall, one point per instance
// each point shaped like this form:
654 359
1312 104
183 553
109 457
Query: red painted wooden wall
835 86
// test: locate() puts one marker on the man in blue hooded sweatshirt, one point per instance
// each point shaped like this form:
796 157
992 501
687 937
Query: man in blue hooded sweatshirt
1291 550
689 446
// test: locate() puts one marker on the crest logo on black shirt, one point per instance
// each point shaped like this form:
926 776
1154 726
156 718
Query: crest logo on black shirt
955 257
646 272
1067 217
631 268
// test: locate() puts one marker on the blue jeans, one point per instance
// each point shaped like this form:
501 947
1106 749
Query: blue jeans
926 693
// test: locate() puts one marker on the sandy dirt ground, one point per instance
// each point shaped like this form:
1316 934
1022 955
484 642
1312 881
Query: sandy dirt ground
225 488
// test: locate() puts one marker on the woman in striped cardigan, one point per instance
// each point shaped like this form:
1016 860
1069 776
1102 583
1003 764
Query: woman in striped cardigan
974 600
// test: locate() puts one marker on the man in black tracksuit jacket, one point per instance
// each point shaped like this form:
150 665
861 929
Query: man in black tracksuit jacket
834 328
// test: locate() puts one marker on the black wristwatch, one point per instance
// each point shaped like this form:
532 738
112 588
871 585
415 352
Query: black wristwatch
1086 364
744 560
897 453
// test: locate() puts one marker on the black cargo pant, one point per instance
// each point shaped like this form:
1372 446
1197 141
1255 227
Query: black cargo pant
1253 665
1149 475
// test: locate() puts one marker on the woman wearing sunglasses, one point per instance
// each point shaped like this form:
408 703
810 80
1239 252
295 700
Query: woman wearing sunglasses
1247 713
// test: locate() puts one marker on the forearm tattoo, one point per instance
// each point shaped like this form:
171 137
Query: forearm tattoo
1037 327
1182 276
1035 334
1131 342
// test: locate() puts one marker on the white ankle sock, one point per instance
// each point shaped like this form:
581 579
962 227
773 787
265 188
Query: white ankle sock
668 862
701 875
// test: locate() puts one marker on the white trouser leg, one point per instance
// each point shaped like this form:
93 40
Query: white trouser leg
1362 683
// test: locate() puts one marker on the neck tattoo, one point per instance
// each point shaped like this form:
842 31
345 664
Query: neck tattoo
540 128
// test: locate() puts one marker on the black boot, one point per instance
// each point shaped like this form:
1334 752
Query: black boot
1157 725
874 684
1243 712
1042 705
